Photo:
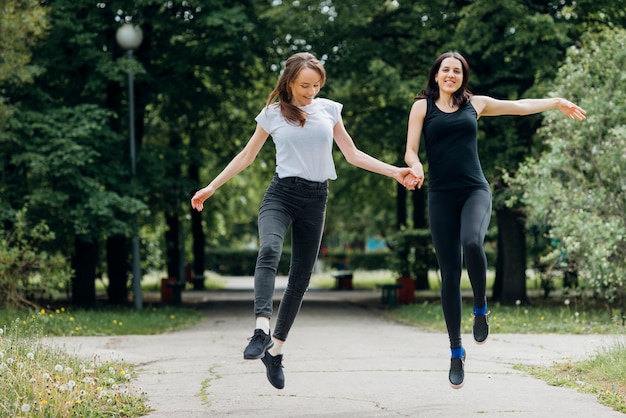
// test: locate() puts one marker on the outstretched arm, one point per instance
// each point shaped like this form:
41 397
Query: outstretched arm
488 106
240 162
405 175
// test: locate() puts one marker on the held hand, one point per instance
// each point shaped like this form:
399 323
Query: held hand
408 178
197 201
571 110
418 169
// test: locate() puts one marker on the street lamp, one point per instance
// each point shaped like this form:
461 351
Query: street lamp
129 37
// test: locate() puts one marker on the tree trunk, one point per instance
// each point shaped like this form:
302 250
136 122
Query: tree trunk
117 269
172 243
197 237
401 212
510 285
419 222
84 263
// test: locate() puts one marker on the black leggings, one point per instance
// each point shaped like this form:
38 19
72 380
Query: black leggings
458 222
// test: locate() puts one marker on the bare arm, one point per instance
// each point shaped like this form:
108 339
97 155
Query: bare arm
240 162
414 132
354 156
488 106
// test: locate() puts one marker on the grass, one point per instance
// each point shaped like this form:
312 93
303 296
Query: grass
37 380
119 321
603 376
542 317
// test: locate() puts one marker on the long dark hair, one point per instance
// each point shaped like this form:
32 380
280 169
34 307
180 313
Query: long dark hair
462 95
293 66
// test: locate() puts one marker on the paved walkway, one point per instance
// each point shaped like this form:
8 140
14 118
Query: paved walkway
343 359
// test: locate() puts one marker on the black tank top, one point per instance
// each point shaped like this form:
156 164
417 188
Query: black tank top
452 148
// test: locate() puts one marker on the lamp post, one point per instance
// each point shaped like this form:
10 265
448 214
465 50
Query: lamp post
129 37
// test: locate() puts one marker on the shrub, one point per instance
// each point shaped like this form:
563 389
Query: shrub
27 271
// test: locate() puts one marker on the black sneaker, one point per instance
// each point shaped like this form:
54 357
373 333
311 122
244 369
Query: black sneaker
259 343
457 372
274 367
481 328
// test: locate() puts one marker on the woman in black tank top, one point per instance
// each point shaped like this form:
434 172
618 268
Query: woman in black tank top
459 197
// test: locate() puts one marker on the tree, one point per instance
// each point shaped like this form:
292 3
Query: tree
576 188
23 24
191 59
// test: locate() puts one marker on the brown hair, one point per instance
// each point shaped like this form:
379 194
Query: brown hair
462 95
293 66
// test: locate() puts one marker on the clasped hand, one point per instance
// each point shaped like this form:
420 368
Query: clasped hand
410 179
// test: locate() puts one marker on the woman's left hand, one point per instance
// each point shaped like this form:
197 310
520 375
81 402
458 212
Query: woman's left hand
572 110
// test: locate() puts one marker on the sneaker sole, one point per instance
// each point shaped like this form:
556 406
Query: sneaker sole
456 386
270 345
481 342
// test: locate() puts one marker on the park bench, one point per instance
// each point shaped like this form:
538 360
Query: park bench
343 280
389 296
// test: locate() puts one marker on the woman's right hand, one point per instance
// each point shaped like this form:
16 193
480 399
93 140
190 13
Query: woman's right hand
197 201
418 169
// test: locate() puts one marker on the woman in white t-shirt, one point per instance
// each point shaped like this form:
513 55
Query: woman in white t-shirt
303 129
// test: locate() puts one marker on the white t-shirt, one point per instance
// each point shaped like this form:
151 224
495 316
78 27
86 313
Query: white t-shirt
304 152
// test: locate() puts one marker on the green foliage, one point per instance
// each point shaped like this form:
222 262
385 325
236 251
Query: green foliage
411 253
26 271
228 262
576 189
23 24
70 176
358 260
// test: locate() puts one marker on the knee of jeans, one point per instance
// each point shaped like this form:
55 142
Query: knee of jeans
270 251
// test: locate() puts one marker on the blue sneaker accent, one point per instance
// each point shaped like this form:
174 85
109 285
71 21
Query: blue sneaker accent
480 311
457 352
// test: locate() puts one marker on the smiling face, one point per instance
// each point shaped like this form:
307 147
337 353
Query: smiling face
305 86
449 78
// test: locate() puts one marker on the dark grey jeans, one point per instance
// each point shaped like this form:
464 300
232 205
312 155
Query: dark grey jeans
301 204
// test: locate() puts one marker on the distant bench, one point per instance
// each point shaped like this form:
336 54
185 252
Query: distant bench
389 296
343 280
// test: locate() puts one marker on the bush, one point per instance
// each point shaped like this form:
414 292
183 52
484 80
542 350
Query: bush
239 262
26 271
412 255
368 261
